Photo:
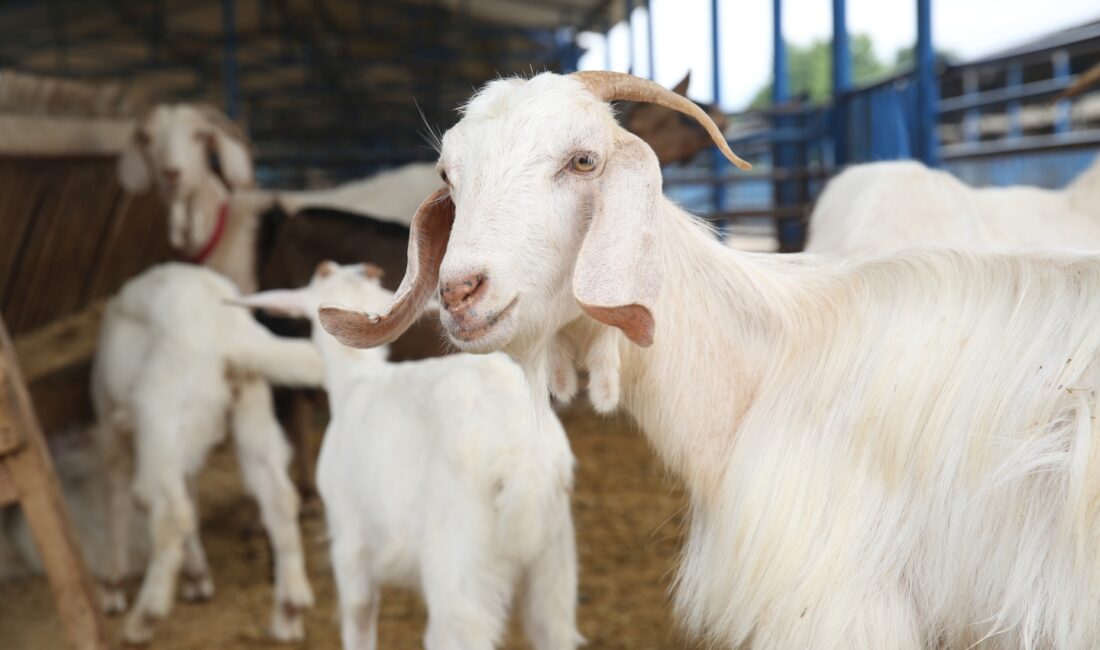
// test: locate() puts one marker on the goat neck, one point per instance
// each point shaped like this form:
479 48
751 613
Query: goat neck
728 311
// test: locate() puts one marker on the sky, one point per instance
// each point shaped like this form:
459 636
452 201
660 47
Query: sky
968 28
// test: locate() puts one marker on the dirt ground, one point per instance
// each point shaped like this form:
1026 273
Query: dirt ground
628 516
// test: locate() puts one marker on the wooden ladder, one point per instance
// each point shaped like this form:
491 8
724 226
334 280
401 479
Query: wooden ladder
27 478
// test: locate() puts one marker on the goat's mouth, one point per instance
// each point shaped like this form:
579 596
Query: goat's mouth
464 329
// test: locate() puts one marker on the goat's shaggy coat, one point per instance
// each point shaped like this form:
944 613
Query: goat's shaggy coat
437 474
893 453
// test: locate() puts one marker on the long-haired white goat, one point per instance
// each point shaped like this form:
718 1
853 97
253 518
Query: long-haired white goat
894 453
886 206
438 474
173 368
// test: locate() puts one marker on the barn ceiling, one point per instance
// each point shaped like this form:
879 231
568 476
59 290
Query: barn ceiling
327 88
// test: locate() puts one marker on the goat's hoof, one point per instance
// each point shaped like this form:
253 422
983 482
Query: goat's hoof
288 620
197 588
295 594
113 600
138 628
288 628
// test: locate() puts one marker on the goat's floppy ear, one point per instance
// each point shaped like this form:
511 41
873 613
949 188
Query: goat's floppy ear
230 142
430 232
615 280
133 169
291 303
234 158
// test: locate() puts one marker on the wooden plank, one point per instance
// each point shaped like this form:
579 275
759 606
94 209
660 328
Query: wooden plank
17 205
71 235
64 343
11 437
8 493
36 483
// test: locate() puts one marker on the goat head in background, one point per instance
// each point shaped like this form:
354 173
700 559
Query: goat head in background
673 136
189 153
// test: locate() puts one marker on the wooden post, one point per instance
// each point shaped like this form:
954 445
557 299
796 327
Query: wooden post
27 477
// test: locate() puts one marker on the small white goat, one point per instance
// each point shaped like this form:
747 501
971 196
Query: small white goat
174 366
214 217
894 453
886 206
439 474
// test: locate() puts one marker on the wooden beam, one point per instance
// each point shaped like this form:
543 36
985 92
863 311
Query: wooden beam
60 344
31 477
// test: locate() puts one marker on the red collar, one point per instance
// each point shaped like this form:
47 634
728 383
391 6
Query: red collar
215 237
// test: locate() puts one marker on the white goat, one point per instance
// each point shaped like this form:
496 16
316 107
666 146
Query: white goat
215 217
891 453
438 474
174 366
886 206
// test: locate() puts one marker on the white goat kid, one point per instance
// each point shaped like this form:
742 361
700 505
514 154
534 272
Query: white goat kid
173 365
438 474
897 453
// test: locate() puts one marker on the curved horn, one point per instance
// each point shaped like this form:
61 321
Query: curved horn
1084 80
609 86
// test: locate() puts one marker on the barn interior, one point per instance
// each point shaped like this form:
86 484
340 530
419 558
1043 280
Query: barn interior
333 91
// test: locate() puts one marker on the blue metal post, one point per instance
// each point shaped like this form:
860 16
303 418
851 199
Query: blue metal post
780 81
649 39
567 52
842 83
788 230
718 161
229 56
927 93
1061 109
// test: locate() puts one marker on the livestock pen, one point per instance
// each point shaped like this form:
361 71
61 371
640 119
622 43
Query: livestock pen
73 236
322 93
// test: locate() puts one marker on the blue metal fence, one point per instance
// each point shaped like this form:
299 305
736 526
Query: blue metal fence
989 122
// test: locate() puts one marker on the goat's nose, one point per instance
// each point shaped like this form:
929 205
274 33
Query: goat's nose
458 295
171 174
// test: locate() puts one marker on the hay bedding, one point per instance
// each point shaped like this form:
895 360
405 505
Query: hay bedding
627 512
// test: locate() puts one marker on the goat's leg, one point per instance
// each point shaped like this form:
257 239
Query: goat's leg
117 458
359 595
549 599
468 587
264 456
171 520
197 583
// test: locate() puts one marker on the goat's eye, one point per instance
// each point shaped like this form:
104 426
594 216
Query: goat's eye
443 175
204 136
583 163
142 138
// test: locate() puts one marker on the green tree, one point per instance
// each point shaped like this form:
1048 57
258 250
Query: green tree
810 69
